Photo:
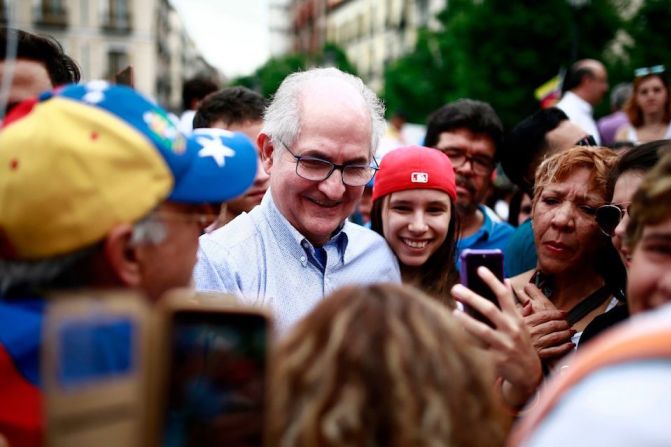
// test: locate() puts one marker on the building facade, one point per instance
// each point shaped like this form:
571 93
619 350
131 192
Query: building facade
106 36
372 32
280 27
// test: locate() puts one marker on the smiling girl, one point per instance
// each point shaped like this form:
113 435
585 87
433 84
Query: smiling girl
413 209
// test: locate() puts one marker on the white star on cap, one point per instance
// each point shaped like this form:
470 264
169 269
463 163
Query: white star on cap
213 147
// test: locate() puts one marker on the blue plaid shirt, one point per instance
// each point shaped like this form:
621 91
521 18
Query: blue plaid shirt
263 259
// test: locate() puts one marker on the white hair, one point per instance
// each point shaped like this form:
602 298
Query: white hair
149 231
282 119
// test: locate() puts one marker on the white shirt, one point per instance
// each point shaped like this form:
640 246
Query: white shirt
579 112
186 121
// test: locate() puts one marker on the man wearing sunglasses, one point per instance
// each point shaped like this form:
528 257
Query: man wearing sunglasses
584 87
470 132
317 144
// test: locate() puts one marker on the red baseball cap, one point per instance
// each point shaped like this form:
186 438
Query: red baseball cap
414 167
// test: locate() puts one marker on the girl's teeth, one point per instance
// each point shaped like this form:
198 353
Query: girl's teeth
415 244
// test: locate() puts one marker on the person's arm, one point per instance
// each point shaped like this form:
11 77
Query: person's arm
515 358
213 275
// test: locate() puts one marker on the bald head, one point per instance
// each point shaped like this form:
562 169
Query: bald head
283 118
588 79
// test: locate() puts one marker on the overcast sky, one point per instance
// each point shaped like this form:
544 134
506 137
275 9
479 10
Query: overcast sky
232 34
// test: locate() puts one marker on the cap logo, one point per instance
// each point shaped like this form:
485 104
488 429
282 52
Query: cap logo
162 128
419 177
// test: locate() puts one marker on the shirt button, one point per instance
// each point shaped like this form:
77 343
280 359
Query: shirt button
303 261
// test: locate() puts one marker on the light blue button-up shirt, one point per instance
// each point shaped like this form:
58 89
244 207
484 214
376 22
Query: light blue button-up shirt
263 259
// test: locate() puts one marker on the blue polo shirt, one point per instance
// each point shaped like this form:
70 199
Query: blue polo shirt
521 250
494 233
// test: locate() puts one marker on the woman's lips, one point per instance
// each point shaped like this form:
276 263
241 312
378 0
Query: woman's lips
556 247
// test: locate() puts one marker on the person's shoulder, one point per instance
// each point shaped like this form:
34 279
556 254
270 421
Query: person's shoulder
498 226
237 233
523 234
622 132
363 238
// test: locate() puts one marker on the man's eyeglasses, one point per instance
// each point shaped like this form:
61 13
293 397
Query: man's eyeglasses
587 140
608 217
480 164
645 71
203 220
318 170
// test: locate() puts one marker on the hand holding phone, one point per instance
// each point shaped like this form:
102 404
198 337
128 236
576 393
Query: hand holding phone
471 260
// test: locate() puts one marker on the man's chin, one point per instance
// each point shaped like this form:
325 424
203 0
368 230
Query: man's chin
466 209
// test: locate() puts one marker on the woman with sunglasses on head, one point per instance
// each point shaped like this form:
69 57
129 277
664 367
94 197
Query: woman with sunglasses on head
648 108
413 209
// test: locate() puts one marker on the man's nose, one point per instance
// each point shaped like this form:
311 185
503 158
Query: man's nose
333 187
466 168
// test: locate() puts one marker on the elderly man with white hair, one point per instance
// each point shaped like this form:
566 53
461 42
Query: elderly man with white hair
317 144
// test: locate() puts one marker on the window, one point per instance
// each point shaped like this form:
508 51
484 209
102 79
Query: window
50 13
116 15
117 60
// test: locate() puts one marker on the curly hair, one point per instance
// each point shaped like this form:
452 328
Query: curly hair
651 204
382 365
599 160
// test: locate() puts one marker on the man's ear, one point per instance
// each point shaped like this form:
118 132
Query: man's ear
121 255
266 149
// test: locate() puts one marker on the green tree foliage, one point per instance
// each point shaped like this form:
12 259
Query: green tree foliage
649 32
267 78
497 51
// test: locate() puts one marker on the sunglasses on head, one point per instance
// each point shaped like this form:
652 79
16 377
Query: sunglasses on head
645 71
587 140
608 217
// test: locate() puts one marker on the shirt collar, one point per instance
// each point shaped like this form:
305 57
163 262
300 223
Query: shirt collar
285 231
579 102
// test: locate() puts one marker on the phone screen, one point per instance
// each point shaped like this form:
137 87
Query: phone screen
217 379
471 260
93 350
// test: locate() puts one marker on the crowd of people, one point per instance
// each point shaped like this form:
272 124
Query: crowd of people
100 188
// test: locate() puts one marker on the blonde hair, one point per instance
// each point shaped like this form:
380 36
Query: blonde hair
599 160
382 365
651 204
